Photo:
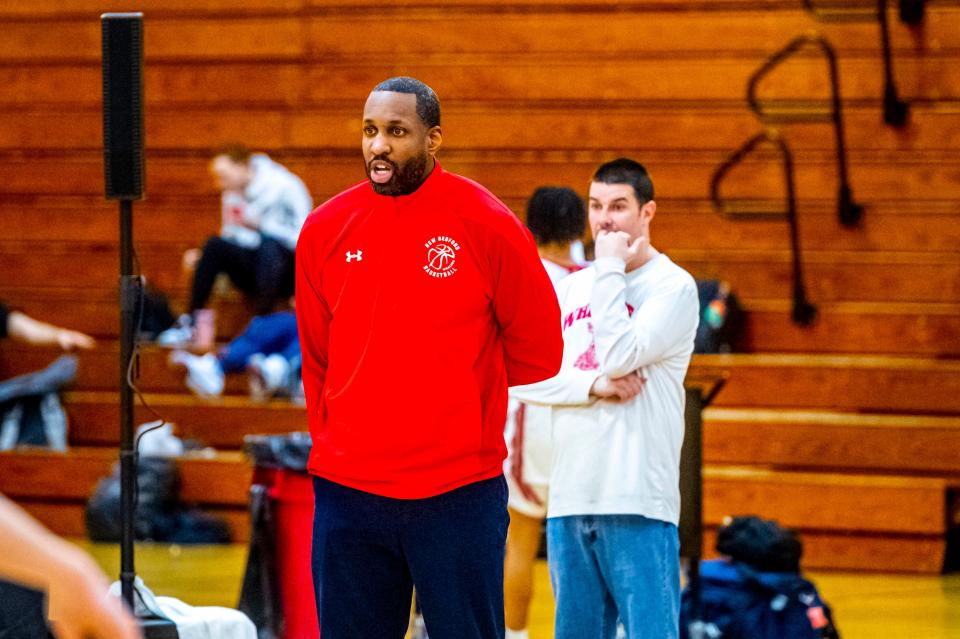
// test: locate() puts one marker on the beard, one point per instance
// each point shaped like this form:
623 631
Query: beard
406 178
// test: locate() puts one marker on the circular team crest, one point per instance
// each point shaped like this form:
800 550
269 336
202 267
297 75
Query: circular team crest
441 256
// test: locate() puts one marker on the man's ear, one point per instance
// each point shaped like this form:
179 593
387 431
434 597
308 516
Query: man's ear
648 211
434 140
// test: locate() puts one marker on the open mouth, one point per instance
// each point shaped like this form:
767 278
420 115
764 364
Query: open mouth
381 171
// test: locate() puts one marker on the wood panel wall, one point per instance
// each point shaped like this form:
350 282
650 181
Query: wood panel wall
533 92
537 92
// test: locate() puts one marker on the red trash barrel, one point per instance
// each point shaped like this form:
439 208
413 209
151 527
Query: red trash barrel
292 494
280 468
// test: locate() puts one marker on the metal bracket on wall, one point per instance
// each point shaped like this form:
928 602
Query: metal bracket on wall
895 110
776 111
804 312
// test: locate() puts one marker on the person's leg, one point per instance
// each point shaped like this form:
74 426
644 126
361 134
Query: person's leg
234 356
278 331
640 559
454 544
220 256
585 608
265 334
291 352
523 542
274 267
361 580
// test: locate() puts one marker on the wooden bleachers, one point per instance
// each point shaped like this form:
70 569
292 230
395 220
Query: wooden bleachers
848 521
832 441
844 428
55 487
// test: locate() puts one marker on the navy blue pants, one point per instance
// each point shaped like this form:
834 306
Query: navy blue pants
370 551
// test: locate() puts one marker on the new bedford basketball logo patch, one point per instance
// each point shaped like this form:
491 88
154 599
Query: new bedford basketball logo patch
441 257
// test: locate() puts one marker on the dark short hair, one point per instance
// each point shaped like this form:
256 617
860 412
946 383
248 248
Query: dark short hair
235 152
428 106
556 214
627 171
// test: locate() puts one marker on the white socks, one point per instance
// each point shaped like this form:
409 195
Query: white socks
517 634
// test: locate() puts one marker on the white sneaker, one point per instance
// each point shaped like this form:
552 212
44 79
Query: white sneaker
267 375
204 373
180 335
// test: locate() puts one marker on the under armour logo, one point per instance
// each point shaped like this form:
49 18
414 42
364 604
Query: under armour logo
358 256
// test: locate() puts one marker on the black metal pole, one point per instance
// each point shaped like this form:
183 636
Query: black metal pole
128 461
691 495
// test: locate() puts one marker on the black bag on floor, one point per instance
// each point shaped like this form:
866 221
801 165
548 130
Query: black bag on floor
758 593
160 516
738 602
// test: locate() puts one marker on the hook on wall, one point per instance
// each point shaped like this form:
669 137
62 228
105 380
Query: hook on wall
773 111
895 110
804 312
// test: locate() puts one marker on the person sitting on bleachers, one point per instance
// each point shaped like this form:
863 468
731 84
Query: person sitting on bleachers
31 413
263 207
268 349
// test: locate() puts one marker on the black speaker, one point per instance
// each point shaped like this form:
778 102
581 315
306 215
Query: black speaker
123 158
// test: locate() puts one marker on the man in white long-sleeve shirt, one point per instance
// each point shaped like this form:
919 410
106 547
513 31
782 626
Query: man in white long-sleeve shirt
617 414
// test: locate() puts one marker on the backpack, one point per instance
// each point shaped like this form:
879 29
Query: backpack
159 514
721 318
738 602
153 315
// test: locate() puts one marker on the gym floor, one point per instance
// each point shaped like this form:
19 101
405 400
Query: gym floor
866 605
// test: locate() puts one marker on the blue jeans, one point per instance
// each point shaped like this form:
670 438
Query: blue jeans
609 567
267 334
370 551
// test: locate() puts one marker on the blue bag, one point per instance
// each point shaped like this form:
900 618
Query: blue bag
738 602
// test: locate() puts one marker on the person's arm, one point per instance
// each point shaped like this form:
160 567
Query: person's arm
284 217
313 324
624 343
574 387
526 309
570 387
23 328
78 604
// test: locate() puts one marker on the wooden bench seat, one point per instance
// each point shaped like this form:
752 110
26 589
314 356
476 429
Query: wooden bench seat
838 502
222 423
501 126
905 329
832 441
923 277
865 383
821 441
682 174
706 82
825 550
849 522
836 382
273 34
870 514
892 226
54 487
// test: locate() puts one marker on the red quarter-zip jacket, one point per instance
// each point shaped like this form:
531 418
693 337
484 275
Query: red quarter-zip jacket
415 314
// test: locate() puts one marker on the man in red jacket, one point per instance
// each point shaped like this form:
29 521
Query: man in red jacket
420 298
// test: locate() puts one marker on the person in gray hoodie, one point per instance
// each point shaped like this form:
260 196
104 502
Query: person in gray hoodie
263 207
